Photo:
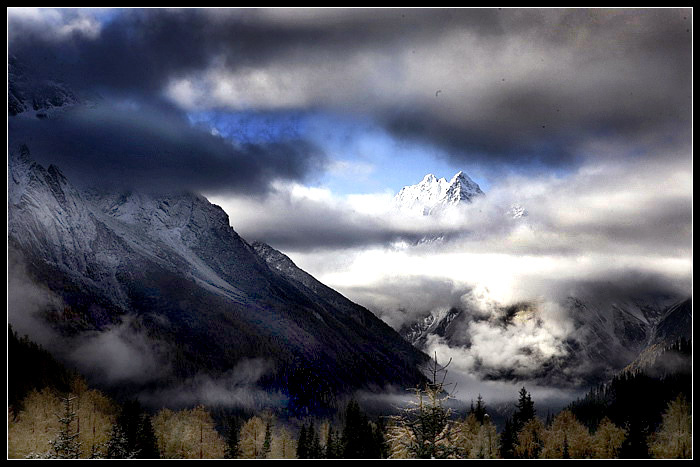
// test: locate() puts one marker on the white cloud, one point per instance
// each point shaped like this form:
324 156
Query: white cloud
56 22
236 388
246 88
601 224
350 169
121 354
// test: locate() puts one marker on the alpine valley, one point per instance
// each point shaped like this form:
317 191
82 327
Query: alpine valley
193 303
153 294
337 233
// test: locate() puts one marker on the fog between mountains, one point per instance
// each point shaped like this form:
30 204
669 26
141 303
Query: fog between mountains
604 231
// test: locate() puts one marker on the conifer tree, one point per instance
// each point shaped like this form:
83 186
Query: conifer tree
128 421
252 438
283 446
302 444
357 438
477 440
524 410
333 445
488 440
133 436
380 442
353 430
67 445
314 445
188 434
427 419
118 445
466 432
37 424
566 438
232 448
96 413
401 440
508 440
147 443
30 433
267 444
480 409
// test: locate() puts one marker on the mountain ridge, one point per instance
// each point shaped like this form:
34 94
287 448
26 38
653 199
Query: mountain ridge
174 265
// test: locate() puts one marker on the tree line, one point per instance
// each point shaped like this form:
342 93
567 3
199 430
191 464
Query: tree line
71 420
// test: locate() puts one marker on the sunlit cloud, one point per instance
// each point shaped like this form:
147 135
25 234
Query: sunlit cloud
599 225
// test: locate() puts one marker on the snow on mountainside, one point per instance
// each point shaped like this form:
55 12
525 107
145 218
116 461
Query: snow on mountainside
432 194
173 266
47 216
174 224
675 323
92 237
434 323
605 336
516 211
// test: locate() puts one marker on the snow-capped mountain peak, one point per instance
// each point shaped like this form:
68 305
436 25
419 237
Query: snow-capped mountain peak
433 194
462 188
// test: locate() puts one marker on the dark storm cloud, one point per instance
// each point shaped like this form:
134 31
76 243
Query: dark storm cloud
129 135
623 284
142 146
141 49
560 80
310 225
517 87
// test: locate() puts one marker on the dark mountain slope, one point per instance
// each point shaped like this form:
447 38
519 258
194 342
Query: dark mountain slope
170 268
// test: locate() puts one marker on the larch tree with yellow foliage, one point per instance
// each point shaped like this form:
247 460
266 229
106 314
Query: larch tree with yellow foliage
530 439
608 440
30 432
283 445
566 438
252 439
188 434
674 438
